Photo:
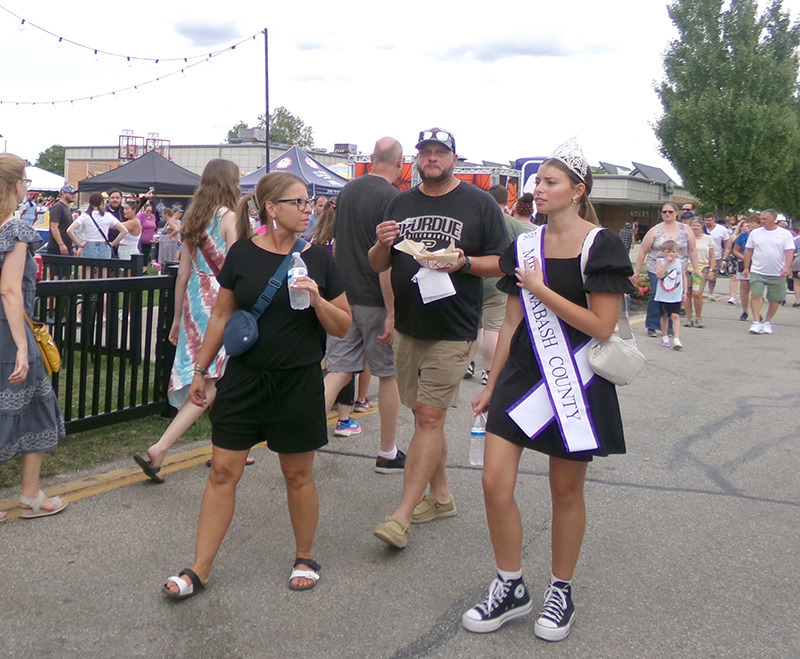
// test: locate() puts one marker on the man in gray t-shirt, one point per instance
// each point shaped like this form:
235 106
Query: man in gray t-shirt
360 207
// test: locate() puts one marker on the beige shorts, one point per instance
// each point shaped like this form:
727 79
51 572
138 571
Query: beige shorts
429 372
493 312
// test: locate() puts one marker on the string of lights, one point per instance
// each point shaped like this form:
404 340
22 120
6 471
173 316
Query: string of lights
129 58
136 87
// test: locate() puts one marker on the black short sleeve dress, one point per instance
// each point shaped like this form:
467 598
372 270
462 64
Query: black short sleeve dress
608 268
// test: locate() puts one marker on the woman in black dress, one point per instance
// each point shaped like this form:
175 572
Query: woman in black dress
563 184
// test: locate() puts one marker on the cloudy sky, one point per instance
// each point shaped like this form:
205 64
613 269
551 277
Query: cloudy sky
510 79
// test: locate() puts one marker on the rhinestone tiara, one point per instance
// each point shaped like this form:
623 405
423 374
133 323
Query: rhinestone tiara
571 154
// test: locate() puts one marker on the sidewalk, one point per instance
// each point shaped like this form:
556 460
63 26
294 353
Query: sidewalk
689 552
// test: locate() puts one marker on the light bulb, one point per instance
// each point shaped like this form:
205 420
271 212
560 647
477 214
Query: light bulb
96 56
22 26
129 62
60 43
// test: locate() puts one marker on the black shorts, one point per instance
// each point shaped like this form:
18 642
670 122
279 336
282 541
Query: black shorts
668 308
284 408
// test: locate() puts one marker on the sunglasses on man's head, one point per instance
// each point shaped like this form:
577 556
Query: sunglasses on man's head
438 135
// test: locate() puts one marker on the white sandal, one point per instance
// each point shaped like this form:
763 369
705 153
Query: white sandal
35 509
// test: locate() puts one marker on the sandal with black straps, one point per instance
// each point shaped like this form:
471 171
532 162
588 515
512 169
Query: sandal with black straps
312 573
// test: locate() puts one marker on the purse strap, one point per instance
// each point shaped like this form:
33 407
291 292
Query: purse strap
265 299
105 237
623 321
28 320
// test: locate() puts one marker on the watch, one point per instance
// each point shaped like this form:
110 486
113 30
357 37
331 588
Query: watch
467 266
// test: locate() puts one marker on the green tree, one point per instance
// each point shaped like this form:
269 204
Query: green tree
52 159
285 128
729 125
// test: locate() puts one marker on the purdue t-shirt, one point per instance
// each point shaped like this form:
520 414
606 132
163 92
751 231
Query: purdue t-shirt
471 219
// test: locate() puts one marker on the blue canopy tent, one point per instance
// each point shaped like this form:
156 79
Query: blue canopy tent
319 178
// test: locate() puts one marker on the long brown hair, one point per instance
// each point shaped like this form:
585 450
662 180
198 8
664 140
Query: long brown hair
323 232
12 170
585 208
271 187
219 186
96 202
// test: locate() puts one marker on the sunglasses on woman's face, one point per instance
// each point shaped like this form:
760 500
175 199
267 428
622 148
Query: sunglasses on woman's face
667 212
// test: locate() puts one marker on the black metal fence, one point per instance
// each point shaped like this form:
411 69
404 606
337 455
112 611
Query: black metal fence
112 329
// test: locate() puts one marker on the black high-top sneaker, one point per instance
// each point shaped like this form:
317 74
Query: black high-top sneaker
558 614
506 600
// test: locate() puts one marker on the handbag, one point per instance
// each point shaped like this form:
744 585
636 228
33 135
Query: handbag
241 330
50 354
617 360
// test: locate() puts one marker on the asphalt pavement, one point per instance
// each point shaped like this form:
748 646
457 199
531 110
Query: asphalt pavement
690 551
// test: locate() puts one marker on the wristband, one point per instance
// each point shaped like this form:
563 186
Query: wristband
200 371
467 266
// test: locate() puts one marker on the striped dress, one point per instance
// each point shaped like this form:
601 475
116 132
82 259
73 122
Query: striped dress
198 302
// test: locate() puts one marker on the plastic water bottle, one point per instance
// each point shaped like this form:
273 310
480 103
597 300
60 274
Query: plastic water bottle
477 440
298 297
695 282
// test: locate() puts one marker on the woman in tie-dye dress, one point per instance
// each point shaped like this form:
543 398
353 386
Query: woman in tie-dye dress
209 228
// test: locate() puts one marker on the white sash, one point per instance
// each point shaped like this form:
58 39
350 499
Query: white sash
565 374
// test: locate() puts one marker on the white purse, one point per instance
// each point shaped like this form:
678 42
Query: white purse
617 360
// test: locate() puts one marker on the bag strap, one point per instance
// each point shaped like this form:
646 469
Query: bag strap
623 322
265 299
105 237
28 320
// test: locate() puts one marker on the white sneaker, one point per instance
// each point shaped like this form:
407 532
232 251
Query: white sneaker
766 328
676 344
757 328
732 300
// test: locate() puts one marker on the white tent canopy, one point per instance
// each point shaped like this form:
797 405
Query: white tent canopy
44 181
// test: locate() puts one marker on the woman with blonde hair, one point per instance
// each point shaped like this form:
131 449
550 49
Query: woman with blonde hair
274 391
209 228
30 419
555 307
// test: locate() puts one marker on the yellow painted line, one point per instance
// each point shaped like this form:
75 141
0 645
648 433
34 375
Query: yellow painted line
111 480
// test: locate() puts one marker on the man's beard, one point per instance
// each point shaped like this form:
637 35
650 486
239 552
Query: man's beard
439 178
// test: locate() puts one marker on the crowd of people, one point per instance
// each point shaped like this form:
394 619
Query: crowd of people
759 250
399 286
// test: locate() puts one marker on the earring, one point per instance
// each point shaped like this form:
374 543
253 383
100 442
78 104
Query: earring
274 226
573 200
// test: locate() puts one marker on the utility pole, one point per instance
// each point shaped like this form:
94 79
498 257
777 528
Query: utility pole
266 88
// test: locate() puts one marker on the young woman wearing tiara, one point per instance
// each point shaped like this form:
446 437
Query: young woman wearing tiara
538 360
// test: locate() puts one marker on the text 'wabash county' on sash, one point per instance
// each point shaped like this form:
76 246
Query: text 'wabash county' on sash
566 373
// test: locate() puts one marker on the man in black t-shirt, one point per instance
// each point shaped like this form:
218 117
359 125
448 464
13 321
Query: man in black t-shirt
60 219
360 208
433 336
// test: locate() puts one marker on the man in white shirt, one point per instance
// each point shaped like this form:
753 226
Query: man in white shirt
768 258
719 234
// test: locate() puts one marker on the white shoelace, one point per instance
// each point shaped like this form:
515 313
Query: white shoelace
497 592
555 603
